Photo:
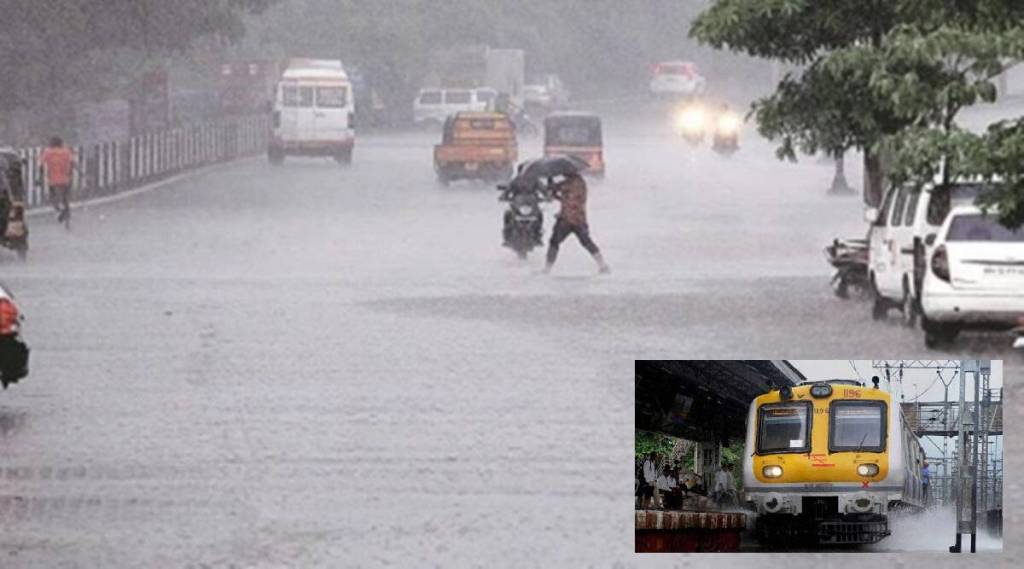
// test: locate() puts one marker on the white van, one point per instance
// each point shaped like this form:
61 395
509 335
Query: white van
433 106
901 237
314 112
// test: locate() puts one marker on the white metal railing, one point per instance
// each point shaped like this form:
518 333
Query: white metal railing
107 168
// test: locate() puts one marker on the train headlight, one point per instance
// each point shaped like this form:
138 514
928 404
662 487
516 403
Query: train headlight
773 471
867 469
822 390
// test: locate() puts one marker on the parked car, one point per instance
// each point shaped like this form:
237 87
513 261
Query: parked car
433 106
677 79
975 277
13 351
897 250
546 93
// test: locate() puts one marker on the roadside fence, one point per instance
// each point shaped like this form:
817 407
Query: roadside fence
108 168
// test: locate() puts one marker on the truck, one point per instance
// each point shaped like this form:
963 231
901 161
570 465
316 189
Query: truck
505 71
476 145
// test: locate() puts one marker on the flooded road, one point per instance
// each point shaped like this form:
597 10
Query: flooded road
289 366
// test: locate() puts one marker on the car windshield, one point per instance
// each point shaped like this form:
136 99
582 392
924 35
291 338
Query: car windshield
430 98
980 227
857 425
331 97
574 135
783 428
458 97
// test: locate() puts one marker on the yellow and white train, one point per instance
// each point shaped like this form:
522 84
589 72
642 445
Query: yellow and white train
827 461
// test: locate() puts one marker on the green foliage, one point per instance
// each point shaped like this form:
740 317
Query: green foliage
56 51
732 455
885 77
646 442
998 160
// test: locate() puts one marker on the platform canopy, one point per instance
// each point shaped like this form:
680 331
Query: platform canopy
704 400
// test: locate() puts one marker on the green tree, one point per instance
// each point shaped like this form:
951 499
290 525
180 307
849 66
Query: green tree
60 51
646 442
872 68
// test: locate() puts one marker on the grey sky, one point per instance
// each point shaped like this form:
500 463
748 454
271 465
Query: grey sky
917 384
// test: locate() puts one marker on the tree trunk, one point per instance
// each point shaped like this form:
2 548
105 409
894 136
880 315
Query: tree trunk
839 184
874 178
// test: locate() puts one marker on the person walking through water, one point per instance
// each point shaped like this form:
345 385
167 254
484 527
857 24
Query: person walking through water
58 161
572 219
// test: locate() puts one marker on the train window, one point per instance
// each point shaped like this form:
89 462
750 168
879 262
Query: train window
784 427
857 425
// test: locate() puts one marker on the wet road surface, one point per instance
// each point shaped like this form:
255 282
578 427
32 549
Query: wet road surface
313 365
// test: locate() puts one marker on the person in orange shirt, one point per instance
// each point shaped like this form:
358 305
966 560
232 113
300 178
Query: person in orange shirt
58 161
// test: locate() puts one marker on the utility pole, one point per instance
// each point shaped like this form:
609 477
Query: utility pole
969 423
947 476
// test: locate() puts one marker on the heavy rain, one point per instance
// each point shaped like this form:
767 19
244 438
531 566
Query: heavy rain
278 289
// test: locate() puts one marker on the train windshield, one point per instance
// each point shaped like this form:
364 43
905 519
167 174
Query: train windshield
857 425
783 427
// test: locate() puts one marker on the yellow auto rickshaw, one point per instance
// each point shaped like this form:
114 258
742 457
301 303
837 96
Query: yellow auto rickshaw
576 133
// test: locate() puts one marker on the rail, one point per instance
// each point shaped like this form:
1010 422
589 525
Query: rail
108 168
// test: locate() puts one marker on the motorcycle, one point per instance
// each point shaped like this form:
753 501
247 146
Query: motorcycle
726 139
523 220
13 229
13 350
849 257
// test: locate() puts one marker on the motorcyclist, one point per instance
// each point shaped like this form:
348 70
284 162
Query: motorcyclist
535 192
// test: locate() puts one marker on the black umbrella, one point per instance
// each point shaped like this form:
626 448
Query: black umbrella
561 165
549 167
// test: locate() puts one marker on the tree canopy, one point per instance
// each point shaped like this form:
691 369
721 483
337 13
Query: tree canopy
886 75
56 49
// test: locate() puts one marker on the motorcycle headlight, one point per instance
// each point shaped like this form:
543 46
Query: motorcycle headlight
773 471
728 123
867 469
691 120
525 209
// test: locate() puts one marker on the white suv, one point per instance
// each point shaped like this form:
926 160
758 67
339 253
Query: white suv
433 106
975 277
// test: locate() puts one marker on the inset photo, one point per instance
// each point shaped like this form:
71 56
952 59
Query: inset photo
819 456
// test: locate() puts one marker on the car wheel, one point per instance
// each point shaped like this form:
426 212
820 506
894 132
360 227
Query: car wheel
879 306
344 157
909 308
442 178
937 334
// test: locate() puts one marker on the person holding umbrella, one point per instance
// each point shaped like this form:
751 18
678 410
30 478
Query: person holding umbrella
572 220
